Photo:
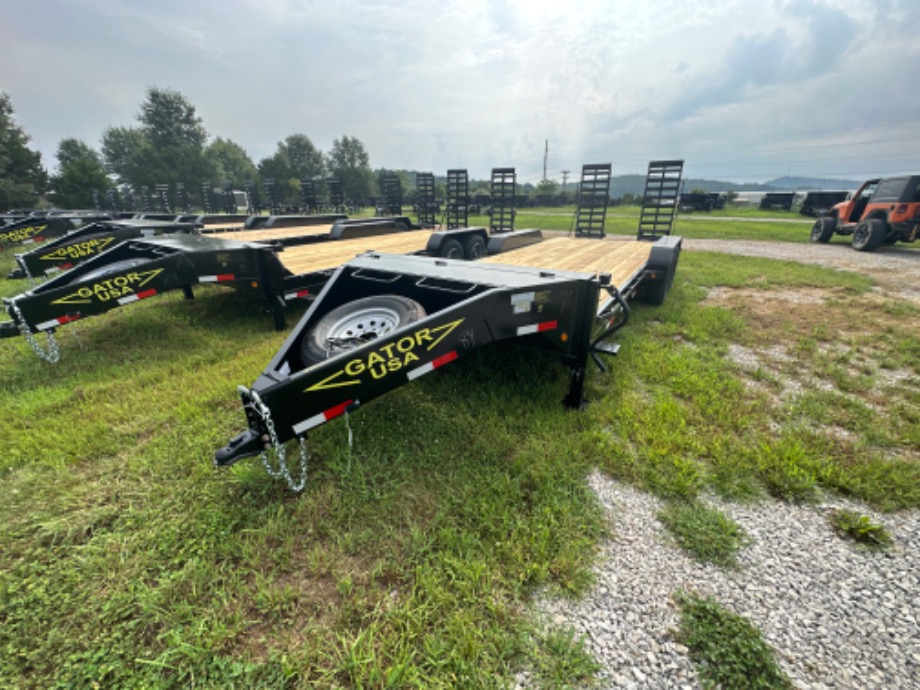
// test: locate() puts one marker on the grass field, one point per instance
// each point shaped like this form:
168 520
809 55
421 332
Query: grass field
126 560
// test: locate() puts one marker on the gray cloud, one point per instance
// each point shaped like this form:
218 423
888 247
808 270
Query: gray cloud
477 83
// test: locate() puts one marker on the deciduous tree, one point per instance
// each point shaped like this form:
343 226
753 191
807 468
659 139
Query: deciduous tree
348 160
80 171
22 176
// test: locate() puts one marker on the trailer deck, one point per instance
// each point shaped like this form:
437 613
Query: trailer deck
270 234
309 258
622 259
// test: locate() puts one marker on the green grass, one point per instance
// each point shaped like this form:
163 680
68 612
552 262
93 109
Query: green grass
727 650
126 560
706 534
860 528
731 223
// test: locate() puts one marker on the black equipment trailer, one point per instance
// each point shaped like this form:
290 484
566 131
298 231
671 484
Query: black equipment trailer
34 229
78 246
383 320
282 268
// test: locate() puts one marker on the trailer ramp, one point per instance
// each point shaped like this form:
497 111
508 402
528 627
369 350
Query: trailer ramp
660 199
593 199
456 211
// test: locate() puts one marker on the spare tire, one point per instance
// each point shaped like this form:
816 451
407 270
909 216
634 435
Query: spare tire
355 323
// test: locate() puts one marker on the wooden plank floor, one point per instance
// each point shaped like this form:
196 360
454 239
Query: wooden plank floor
268 234
620 258
316 257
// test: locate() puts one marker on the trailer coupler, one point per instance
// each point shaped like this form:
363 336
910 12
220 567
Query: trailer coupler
254 441
8 329
244 445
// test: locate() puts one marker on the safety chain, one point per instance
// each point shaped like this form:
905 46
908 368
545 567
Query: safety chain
25 269
52 354
282 472
351 439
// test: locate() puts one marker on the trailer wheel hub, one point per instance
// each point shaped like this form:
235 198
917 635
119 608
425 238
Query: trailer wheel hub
363 326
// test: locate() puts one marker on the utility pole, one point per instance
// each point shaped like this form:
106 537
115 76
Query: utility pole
545 156
565 176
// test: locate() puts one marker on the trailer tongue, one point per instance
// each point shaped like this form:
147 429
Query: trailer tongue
383 320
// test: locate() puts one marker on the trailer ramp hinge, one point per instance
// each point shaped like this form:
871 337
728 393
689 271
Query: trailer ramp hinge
271 443
52 354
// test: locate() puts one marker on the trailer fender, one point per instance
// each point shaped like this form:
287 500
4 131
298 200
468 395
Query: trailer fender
660 270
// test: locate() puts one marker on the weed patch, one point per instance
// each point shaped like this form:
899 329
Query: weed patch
727 650
706 534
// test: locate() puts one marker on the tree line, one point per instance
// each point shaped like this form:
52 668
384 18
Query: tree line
168 145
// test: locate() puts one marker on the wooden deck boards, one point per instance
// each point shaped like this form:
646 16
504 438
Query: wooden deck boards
268 234
315 257
620 258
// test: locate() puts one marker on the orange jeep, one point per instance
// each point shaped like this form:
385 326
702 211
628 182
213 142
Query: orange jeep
882 211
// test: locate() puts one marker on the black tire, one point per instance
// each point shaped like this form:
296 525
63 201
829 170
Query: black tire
654 294
109 269
355 323
869 234
823 230
474 248
451 249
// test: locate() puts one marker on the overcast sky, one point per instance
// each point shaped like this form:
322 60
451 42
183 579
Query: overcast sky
742 90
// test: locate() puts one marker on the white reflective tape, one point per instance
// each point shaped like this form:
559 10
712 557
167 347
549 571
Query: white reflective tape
44 325
420 371
309 423
526 330
127 300
207 279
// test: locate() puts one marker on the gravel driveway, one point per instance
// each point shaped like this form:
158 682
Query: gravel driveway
835 616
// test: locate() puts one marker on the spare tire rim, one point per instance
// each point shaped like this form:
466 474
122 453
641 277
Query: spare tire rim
361 327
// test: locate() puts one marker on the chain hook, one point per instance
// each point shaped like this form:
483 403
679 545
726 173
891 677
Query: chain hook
52 354
282 471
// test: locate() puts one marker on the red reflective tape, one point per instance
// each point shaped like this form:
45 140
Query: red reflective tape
334 412
67 319
547 326
64 267
444 359
146 293
303 293
224 277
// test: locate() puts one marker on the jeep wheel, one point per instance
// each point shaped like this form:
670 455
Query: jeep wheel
823 230
869 234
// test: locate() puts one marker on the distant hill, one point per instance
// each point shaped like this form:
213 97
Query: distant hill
635 184
817 183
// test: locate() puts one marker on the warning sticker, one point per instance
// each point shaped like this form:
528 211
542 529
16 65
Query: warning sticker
521 302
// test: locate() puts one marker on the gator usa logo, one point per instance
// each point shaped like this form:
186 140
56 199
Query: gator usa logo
389 358
19 234
78 250
110 288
